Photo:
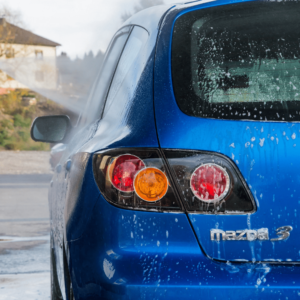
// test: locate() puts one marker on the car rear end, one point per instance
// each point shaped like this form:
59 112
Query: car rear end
227 113
209 209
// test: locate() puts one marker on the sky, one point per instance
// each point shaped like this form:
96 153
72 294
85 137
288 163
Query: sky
78 25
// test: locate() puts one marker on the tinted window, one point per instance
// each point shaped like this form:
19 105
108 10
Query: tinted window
98 96
239 62
137 39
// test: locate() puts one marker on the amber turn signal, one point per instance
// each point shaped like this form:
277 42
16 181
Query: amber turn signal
151 184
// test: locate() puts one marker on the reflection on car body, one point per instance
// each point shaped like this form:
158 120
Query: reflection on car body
184 163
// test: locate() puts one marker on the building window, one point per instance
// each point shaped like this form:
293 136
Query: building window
39 76
9 53
39 54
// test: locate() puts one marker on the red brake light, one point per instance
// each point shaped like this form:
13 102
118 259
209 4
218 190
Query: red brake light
123 170
210 183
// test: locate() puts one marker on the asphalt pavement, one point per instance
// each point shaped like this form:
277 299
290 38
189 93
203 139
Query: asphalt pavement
24 237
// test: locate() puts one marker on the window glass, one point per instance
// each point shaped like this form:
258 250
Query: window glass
134 45
239 62
96 102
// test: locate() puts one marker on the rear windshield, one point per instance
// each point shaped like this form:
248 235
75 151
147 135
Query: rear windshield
239 62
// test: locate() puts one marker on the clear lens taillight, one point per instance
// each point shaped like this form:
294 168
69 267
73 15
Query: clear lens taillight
210 183
122 171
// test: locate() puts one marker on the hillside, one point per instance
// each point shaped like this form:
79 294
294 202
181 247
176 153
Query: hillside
17 111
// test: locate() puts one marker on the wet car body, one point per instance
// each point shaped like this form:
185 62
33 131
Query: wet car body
56 154
102 250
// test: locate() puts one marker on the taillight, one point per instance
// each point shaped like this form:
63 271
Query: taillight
209 182
123 170
140 179
151 184
135 179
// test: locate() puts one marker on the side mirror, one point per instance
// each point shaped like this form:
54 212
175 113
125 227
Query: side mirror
51 129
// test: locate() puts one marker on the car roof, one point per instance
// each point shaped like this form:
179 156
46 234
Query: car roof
149 18
152 17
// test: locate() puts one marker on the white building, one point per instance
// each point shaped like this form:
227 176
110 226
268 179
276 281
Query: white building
29 59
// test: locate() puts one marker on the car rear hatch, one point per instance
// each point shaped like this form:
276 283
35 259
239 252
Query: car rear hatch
228 95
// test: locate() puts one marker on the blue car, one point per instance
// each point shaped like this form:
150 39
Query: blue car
180 179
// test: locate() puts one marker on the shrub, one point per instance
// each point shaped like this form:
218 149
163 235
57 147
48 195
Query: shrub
20 121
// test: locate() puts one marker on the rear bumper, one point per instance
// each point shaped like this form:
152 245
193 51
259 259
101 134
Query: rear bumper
128 254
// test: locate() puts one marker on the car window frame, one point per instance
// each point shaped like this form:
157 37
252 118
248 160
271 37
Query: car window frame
102 103
112 79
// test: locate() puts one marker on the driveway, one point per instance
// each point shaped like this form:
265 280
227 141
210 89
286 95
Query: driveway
24 237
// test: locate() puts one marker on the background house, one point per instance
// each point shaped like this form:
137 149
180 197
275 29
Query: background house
27 56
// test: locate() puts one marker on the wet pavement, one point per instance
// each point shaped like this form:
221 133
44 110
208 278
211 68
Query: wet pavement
24 237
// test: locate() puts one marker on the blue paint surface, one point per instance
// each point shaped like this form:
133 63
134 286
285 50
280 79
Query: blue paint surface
128 254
